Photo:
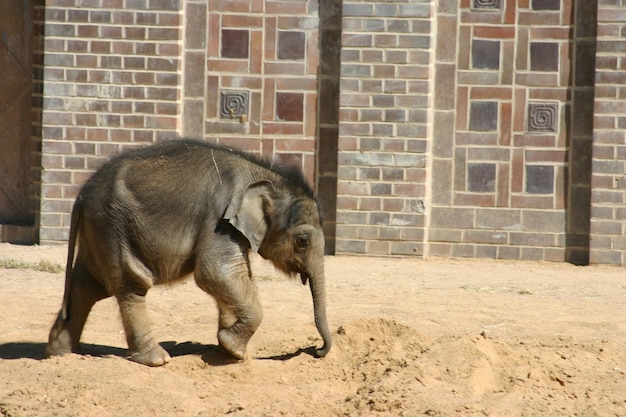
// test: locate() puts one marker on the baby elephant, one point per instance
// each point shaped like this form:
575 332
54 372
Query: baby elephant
157 214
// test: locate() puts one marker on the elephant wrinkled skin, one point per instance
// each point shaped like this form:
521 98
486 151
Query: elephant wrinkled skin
154 215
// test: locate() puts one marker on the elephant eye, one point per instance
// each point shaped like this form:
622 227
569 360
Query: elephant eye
302 241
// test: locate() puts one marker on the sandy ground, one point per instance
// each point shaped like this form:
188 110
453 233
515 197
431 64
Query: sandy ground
412 338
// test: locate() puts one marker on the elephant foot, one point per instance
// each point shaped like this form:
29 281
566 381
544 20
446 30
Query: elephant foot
151 356
59 345
60 340
232 343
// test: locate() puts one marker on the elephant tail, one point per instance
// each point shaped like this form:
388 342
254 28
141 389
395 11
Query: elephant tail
71 250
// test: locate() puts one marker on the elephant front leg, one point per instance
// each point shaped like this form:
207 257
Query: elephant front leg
142 346
238 324
226 276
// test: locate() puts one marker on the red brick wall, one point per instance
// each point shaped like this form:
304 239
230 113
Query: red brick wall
111 76
384 127
511 97
478 128
118 74
608 244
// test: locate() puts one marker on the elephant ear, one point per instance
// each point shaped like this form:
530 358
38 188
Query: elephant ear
248 212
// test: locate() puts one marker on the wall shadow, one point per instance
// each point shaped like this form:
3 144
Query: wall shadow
579 127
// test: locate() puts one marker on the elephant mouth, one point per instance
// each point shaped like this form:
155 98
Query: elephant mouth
298 269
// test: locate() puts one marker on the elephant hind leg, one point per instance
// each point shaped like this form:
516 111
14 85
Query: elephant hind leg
85 291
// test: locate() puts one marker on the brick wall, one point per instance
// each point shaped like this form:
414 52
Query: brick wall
476 128
111 75
608 244
384 127
508 104
124 73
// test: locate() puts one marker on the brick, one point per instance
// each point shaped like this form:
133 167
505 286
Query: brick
358 9
509 252
100 16
462 251
52 234
395 86
443 217
495 32
385 41
439 249
533 239
445 76
483 237
350 246
611 257
543 221
352 188
165 5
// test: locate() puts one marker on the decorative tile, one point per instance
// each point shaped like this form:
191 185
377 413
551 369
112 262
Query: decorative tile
481 178
486 4
546 4
485 54
483 116
290 107
234 104
539 179
291 45
543 117
235 43
544 56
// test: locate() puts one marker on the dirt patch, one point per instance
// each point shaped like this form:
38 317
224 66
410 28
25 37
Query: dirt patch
412 338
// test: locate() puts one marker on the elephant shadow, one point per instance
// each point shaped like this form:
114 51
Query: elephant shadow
215 355
33 350
287 356
211 354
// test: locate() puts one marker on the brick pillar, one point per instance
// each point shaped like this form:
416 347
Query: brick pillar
384 127
608 195
328 116
581 128
111 81
194 68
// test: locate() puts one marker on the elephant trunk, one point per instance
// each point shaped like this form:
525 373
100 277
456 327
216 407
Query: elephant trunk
318 292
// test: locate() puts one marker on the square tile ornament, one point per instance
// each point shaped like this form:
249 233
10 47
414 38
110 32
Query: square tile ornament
487 5
543 117
234 104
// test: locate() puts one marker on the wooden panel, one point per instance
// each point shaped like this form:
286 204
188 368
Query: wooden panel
16 206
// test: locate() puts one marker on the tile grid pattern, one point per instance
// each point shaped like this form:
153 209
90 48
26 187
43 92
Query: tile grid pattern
501 126
258 78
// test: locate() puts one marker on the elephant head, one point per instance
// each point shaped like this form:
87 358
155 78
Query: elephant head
282 222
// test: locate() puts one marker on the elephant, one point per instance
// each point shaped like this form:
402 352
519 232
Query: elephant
160 213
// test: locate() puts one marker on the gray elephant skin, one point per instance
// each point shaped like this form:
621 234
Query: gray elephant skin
157 214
